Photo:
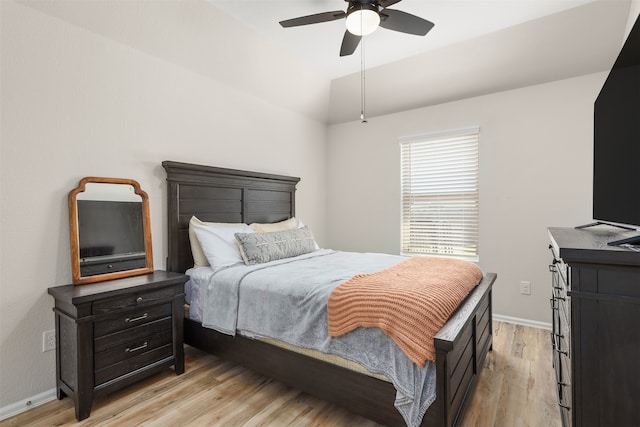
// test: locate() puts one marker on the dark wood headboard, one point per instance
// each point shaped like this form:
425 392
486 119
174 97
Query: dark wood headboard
220 195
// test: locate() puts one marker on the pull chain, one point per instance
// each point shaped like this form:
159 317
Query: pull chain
363 117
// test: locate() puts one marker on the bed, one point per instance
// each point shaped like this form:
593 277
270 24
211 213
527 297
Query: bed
233 196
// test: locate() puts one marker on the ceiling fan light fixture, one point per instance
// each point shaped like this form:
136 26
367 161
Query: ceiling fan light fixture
362 21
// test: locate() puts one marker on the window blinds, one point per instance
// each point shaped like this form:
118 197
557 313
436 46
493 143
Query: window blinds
440 194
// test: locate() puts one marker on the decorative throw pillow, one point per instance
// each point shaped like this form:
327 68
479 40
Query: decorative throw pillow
218 243
258 248
288 224
199 258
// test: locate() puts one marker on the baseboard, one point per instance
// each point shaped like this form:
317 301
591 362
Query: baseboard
523 322
26 404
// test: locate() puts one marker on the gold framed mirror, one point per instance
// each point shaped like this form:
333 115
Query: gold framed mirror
109 230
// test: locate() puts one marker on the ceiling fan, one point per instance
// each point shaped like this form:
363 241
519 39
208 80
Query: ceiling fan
362 18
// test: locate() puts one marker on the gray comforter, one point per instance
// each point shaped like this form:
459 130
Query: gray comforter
287 300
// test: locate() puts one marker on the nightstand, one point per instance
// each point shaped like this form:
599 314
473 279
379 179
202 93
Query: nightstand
111 334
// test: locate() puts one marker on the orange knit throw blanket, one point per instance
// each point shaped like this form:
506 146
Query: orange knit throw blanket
409 301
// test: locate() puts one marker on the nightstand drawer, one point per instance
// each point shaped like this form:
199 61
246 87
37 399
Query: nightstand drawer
131 349
132 334
131 364
132 300
130 319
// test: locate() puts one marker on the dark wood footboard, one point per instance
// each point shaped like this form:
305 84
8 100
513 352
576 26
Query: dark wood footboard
461 347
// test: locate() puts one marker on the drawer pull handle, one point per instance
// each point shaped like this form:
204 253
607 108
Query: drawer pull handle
140 347
139 300
560 404
135 319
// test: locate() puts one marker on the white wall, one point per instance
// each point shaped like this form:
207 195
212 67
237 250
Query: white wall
535 171
75 103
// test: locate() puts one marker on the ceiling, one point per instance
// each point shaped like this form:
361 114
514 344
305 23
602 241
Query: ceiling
476 47
318 44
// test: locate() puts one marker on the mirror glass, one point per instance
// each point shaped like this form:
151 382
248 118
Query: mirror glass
109 230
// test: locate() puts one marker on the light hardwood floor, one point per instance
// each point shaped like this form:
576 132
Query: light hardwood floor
516 388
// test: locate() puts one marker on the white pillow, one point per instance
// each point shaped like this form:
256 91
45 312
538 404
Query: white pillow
217 242
288 224
199 259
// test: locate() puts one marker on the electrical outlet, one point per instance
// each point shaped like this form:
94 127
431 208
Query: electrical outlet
48 340
525 288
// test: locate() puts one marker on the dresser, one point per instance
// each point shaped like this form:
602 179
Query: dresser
595 334
111 334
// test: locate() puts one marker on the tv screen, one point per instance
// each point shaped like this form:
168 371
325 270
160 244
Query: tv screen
110 231
616 167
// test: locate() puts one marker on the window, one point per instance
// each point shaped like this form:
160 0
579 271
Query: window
440 194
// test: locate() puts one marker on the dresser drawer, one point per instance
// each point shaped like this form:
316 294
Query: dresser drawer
131 364
131 349
564 335
132 300
555 360
565 365
130 319
564 350
565 400
133 334
564 307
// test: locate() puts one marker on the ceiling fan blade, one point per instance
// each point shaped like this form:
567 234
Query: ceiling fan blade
397 20
386 3
349 43
313 19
